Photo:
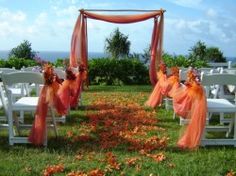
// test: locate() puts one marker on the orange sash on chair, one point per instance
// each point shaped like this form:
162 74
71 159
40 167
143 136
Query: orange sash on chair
156 96
190 102
172 83
48 97
68 88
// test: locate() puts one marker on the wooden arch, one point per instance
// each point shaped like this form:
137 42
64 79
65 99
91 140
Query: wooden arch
79 48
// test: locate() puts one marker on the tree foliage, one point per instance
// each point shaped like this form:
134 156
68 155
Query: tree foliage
213 54
117 44
198 51
201 52
146 54
23 51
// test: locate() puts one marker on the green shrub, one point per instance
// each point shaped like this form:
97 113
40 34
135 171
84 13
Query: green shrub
2 63
182 61
60 62
17 63
116 72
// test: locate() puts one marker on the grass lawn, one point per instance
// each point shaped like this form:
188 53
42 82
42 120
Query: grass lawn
112 133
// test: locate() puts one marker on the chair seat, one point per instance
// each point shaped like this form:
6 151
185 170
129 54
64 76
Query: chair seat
220 105
26 103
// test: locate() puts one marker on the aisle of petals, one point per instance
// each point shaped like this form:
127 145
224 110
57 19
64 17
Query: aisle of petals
115 120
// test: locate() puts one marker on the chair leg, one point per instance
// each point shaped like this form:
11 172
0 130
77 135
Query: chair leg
234 130
10 128
166 104
221 118
17 123
174 115
231 125
46 137
54 122
208 116
80 101
22 116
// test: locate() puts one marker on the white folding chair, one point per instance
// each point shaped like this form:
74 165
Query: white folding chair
60 73
3 101
221 106
23 104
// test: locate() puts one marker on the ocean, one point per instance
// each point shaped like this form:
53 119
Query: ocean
54 55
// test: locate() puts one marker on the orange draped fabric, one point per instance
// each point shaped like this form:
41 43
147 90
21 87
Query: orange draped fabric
37 134
79 37
57 96
156 96
190 102
68 88
166 86
172 83
80 78
48 97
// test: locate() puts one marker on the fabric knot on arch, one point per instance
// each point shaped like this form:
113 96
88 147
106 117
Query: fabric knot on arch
79 41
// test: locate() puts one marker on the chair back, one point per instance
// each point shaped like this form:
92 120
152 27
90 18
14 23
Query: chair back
3 99
183 74
75 69
22 77
218 79
7 70
60 73
218 82
27 68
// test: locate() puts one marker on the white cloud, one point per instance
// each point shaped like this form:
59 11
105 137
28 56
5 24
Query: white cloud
69 11
184 33
11 22
211 13
15 17
187 3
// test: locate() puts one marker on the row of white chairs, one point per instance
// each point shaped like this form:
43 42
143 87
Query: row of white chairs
16 99
215 82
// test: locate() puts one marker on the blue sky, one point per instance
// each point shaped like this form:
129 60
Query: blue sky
48 24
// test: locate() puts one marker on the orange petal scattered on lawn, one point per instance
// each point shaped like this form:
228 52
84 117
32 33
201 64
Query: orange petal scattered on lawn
112 161
79 156
50 170
157 157
96 172
120 120
132 161
76 173
231 173
171 165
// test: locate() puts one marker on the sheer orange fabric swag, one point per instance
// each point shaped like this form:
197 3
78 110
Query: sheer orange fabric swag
190 102
80 79
172 83
48 98
155 99
68 88
79 36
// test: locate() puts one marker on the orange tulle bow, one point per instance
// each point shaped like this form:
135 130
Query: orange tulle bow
190 102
